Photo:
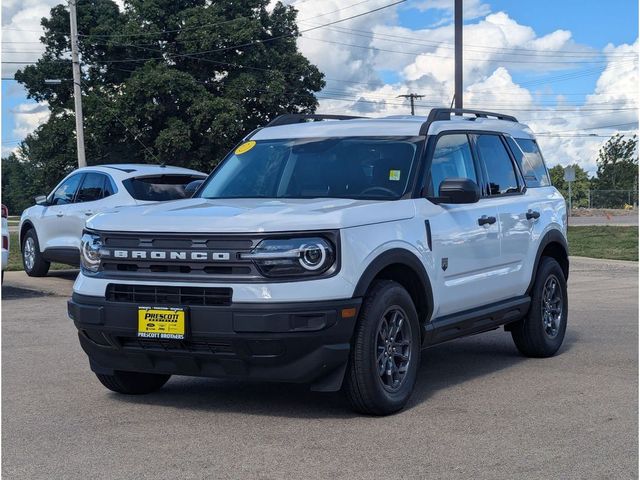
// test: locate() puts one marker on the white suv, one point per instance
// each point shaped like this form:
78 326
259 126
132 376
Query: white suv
330 253
50 231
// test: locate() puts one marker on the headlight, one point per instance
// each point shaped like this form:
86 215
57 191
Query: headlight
281 257
90 253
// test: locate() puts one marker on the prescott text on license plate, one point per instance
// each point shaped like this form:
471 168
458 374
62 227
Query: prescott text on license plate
161 322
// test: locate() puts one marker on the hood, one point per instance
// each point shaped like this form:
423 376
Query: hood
199 215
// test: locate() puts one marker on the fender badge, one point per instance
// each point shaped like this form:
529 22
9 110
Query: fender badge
445 263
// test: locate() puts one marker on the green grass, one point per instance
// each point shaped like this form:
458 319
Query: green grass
15 257
615 243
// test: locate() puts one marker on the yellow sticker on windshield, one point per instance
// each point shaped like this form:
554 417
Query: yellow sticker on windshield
245 147
394 175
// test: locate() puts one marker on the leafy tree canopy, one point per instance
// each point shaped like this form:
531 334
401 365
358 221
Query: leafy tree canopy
171 81
618 164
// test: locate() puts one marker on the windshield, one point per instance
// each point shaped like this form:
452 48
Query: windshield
349 167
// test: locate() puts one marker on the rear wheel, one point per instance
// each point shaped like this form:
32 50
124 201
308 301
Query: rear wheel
541 333
34 264
133 383
385 355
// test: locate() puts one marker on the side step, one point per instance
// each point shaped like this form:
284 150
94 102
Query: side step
475 321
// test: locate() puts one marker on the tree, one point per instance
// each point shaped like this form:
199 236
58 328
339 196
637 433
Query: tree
618 171
579 188
618 164
168 81
617 181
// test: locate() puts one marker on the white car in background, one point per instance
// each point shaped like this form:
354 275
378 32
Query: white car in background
50 231
5 239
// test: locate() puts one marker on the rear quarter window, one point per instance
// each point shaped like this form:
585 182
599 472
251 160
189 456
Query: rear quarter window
159 188
529 158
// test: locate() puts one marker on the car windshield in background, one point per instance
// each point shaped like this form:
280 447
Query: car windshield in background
159 188
349 167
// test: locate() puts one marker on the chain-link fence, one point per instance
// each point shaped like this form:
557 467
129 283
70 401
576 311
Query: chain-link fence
611 198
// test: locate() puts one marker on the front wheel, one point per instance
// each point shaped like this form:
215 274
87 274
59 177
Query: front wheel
34 264
133 383
541 332
385 354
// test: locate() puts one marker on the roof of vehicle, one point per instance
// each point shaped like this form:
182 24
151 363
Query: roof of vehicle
122 171
390 126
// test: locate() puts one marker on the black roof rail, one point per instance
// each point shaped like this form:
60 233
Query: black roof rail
438 114
292 118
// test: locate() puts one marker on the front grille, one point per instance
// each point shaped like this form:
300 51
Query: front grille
233 267
169 295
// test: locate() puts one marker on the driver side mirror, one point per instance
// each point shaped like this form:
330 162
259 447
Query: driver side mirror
191 188
41 200
458 190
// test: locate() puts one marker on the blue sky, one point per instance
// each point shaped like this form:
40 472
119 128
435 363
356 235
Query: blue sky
592 25
595 23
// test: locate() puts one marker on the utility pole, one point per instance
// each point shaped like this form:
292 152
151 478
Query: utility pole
412 97
458 54
77 90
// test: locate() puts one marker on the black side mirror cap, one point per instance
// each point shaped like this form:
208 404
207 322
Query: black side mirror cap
41 200
191 188
458 190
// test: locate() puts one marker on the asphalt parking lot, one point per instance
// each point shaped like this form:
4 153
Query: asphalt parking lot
479 410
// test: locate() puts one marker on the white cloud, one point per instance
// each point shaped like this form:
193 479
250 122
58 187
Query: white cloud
496 47
28 117
21 32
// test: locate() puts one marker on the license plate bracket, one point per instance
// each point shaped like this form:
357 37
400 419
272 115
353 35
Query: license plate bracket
163 323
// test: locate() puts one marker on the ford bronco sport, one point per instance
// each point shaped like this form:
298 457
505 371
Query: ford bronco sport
330 250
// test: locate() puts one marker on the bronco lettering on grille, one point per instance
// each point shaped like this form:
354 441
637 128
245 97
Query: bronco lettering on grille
169 255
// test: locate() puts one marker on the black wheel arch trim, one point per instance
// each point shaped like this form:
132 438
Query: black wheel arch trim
552 236
24 228
397 256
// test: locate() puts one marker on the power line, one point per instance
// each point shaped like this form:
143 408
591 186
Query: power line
207 25
135 137
450 45
590 128
497 60
412 97
440 44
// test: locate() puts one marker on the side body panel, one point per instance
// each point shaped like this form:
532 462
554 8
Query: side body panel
466 255
520 237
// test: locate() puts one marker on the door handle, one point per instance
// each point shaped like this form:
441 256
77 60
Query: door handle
88 213
532 214
484 220
59 214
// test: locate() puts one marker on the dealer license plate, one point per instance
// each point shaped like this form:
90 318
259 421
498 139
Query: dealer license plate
161 322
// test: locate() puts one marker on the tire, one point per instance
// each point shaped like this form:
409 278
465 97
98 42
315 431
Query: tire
133 383
368 390
34 264
536 335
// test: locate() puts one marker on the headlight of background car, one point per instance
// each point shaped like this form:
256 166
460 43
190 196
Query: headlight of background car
90 246
281 257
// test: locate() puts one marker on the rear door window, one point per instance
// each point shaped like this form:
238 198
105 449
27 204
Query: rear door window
529 158
501 175
159 188
108 186
92 188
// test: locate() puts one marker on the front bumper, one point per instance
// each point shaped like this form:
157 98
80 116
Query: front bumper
287 342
